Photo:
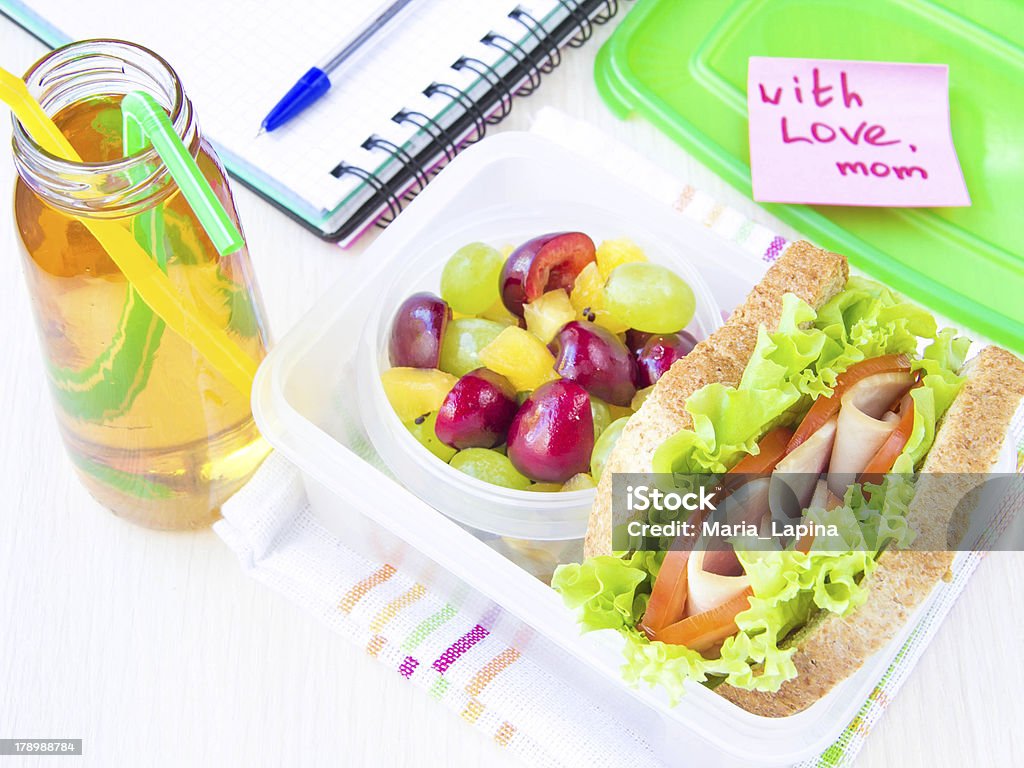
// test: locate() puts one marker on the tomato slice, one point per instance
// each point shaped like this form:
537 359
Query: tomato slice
825 408
894 444
668 597
707 629
771 449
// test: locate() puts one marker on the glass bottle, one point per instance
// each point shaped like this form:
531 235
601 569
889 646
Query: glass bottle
156 433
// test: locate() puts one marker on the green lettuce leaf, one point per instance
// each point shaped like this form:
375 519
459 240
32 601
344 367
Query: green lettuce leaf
801 361
609 592
941 362
728 421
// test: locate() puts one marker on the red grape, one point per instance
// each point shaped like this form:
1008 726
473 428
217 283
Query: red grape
659 352
635 340
552 436
596 360
417 331
477 412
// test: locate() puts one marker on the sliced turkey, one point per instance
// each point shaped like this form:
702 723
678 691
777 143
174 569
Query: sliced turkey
858 438
823 498
795 477
706 590
874 395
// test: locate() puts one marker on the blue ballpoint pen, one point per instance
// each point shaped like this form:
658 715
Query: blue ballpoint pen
314 84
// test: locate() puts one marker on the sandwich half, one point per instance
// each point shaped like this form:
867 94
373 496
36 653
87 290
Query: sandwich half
816 371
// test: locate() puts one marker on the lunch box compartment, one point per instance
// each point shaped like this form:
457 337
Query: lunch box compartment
305 402
536 530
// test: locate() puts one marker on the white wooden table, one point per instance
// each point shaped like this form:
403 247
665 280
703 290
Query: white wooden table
156 650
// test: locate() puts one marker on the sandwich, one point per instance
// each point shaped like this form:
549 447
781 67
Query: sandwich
821 373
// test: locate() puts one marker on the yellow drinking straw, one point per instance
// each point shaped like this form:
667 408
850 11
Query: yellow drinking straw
141 271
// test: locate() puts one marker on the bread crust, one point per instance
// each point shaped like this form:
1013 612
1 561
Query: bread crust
969 440
813 274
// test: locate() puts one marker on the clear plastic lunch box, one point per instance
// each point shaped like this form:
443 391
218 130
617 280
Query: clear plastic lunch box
306 403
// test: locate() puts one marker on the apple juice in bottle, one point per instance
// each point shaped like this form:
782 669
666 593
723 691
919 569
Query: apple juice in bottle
155 432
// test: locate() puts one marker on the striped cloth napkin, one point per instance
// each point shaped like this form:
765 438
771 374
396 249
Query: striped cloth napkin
471 656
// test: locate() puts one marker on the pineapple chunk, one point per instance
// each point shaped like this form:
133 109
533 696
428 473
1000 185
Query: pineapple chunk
606 320
498 313
619 411
520 357
413 392
588 289
587 299
545 488
612 253
546 315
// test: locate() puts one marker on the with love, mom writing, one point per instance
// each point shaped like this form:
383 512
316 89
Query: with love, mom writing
825 133
852 133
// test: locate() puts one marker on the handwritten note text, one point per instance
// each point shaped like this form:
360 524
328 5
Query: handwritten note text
852 133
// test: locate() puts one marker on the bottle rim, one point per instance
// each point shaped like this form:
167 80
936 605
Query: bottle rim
86 69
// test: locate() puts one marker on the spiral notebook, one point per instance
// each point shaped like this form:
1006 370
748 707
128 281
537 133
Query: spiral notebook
426 86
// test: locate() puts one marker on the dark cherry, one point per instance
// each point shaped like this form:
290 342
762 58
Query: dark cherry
543 264
477 412
595 359
552 437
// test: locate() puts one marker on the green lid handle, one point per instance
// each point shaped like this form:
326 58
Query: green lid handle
144 117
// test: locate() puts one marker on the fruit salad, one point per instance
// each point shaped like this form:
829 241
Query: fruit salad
525 369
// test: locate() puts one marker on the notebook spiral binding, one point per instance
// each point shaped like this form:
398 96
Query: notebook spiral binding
530 67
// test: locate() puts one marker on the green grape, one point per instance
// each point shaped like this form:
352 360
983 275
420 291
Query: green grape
602 415
580 482
649 298
491 467
422 428
640 397
604 445
469 282
463 340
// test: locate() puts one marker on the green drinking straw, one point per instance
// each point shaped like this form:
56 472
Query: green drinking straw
144 118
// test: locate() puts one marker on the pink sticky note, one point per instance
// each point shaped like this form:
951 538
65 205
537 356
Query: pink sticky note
852 133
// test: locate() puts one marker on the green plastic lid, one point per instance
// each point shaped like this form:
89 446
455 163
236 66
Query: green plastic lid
683 66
